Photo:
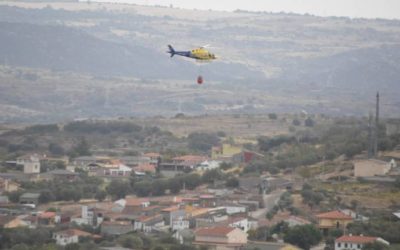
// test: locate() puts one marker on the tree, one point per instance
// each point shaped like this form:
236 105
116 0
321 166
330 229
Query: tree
56 149
375 246
82 148
272 116
118 189
202 141
211 175
174 185
130 241
304 236
46 196
100 195
296 122
309 122
232 182
142 188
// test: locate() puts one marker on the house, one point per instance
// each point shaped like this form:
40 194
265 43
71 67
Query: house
114 171
171 213
70 236
372 167
29 199
296 221
220 238
356 242
7 185
234 208
30 163
10 221
208 200
116 227
145 168
225 152
261 245
148 223
237 222
59 174
333 219
47 219
180 223
89 216
134 205
208 165
155 158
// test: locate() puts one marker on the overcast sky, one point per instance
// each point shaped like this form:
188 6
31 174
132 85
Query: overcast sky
351 8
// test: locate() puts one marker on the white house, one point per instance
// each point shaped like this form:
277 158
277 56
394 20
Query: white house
69 236
88 217
234 208
180 224
208 165
31 163
355 242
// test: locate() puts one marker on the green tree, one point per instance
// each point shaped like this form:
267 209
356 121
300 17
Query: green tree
100 195
130 241
309 122
118 189
142 188
272 116
304 236
375 246
232 182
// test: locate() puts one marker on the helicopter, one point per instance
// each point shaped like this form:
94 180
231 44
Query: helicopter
201 54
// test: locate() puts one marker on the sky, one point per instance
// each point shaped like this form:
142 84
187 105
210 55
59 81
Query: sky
388 9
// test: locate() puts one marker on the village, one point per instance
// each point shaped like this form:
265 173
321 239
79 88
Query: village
212 201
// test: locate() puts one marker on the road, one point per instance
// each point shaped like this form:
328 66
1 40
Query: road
270 200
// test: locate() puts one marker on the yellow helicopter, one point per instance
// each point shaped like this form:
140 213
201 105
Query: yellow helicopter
200 54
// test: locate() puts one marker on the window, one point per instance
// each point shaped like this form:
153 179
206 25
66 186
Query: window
345 245
339 244
358 246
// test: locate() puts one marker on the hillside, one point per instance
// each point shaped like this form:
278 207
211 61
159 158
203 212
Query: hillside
267 62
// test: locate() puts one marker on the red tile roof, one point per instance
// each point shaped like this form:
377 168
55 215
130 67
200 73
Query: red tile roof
356 239
145 168
47 215
334 215
135 201
214 231
170 209
152 154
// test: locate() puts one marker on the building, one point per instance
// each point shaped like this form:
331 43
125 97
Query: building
296 221
225 152
172 213
356 242
59 174
7 185
333 220
10 221
148 223
262 245
116 227
89 216
70 236
29 199
372 167
30 163
220 238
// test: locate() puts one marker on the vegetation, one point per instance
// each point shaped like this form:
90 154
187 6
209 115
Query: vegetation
303 236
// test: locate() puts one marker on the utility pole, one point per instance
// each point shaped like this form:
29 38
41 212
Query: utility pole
376 126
